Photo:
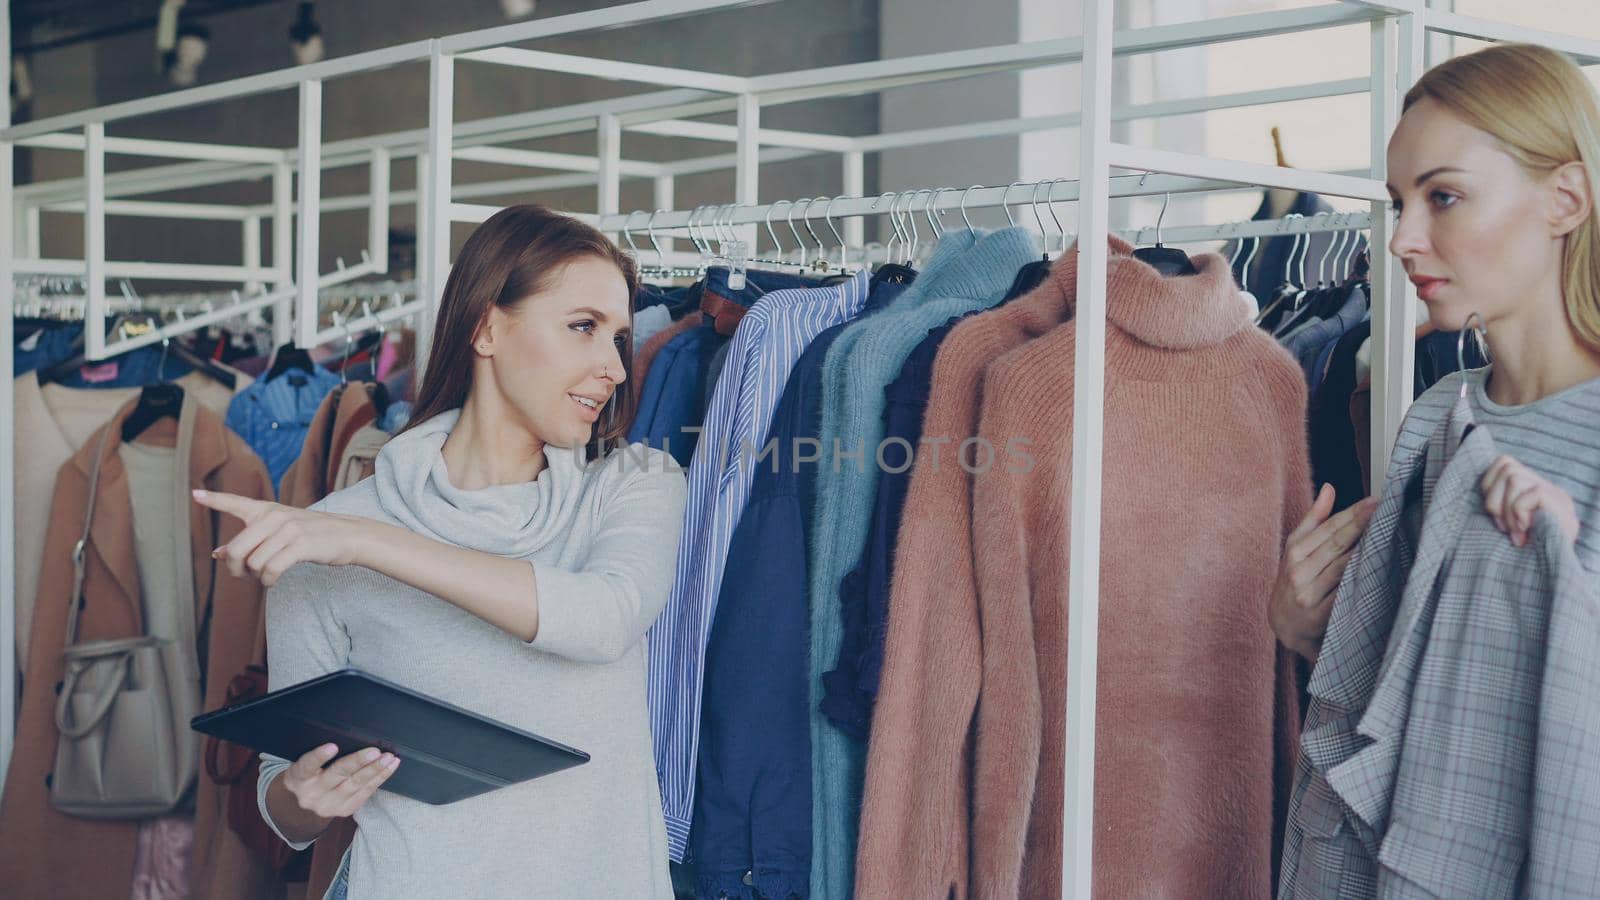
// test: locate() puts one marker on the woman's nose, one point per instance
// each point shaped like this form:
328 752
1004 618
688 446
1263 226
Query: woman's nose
611 366
1410 238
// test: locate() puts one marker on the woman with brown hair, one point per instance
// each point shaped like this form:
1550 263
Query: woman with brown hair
506 557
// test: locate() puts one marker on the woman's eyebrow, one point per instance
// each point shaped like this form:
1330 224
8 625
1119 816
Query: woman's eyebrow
1436 170
591 311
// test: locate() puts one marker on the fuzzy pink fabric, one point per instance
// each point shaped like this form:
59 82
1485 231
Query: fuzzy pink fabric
1205 472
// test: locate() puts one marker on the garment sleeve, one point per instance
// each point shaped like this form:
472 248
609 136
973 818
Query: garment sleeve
304 640
597 612
914 817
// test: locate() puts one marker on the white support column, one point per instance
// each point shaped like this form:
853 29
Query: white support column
1088 429
1396 50
610 156
310 206
250 233
8 415
747 165
283 250
435 253
94 239
32 230
665 190
854 185
378 215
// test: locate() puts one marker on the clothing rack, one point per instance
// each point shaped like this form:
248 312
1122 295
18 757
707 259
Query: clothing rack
1398 30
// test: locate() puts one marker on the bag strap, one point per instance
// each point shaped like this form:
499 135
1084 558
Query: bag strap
75 605
184 566
109 689
183 560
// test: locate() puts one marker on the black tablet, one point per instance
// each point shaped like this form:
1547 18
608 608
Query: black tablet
446 753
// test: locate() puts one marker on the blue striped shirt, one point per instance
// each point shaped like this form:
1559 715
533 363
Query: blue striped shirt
766 345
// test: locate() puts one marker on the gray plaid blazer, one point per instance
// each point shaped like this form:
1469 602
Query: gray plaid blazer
1451 747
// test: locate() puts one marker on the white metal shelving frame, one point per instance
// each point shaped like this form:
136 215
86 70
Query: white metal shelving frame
1398 29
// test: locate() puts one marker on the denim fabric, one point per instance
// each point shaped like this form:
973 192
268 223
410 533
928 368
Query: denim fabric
136 368
671 403
752 809
339 888
40 345
683 374
274 416
851 689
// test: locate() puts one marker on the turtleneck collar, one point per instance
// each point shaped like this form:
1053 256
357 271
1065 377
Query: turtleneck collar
513 520
1182 312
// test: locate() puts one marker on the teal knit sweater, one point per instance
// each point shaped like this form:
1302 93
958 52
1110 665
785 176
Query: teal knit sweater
969 271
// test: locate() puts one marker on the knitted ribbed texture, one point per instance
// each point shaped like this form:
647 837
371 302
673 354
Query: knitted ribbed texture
1195 708
854 378
939 504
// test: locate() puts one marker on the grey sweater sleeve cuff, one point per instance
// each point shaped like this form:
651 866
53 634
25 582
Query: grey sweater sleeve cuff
272 767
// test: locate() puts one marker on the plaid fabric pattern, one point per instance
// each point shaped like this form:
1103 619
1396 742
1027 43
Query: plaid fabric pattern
1452 743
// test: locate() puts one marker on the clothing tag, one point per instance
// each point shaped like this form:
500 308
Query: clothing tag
100 374
31 342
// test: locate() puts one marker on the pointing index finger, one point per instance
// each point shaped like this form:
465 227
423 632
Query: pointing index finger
242 508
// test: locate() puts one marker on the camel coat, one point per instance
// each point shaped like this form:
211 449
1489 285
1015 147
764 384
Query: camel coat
44 853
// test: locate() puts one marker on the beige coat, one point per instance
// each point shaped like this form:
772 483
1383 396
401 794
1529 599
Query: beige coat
44 853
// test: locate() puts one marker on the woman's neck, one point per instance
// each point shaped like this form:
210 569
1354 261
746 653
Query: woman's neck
490 447
1538 354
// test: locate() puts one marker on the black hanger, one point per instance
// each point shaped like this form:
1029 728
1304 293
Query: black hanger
1028 277
156 401
893 273
1169 261
290 357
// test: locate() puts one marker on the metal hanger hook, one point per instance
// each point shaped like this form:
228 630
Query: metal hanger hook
792 230
1005 205
650 228
1481 334
805 218
933 204
964 218
1166 199
777 245
827 216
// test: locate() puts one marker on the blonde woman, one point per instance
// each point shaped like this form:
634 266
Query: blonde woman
1492 171
1450 741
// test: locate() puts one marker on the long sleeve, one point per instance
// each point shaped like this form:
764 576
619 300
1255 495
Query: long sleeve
594 614
913 836
304 640
1022 516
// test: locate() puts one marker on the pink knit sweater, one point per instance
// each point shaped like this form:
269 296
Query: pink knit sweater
1205 472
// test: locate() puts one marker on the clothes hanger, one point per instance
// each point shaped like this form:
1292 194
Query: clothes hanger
1275 309
1169 261
156 401
964 218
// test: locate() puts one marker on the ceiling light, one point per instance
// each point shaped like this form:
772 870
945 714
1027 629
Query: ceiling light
305 36
518 9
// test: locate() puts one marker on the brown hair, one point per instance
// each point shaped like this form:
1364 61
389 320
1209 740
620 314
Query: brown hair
510 257
1542 109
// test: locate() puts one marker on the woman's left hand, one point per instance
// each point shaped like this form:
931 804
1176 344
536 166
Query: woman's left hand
276 537
1512 492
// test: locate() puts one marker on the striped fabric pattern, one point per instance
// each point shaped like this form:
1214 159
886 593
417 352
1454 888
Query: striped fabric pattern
770 338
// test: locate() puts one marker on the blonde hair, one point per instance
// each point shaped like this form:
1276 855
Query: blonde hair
1542 109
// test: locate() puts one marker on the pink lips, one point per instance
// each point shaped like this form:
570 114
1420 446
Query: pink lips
1428 288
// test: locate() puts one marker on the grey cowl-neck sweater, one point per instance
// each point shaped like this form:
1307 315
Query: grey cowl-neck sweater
602 538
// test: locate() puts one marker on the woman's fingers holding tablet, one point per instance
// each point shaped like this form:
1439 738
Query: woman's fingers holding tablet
340 788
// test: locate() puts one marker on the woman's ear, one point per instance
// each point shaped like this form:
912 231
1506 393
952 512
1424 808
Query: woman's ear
483 338
1572 198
